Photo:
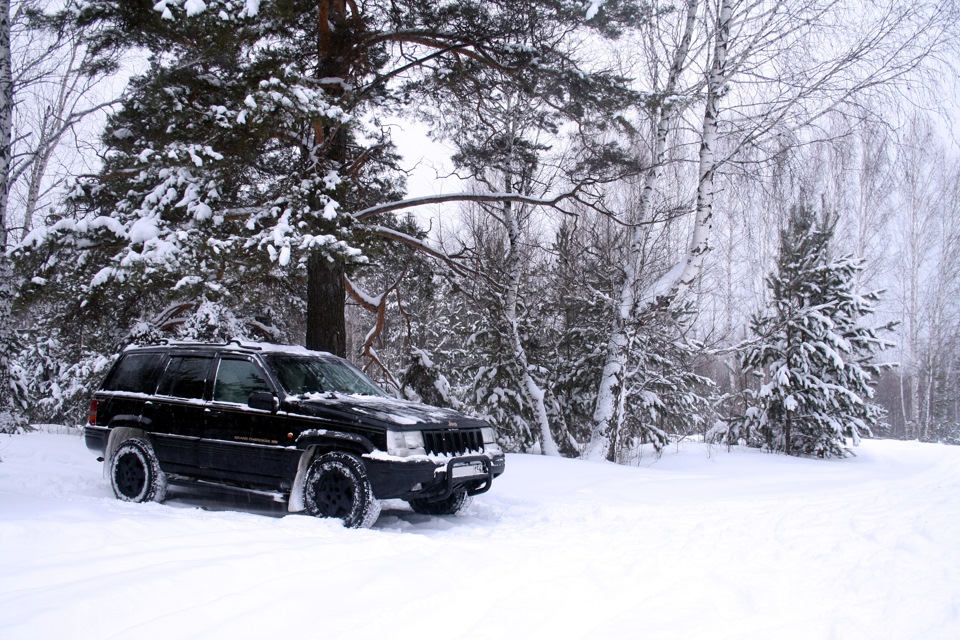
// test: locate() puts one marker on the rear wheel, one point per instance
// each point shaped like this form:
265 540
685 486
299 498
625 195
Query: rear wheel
135 473
337 486
449 506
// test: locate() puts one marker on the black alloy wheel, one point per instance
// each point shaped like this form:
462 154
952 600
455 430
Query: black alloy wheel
334 494
135 473
337 487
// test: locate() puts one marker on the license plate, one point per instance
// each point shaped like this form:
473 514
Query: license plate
469 469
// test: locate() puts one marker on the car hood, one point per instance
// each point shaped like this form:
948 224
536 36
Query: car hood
384 412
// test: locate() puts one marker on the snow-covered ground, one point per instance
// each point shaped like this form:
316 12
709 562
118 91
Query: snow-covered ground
700 544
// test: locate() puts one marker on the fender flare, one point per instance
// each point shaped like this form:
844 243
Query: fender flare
316 442
118 434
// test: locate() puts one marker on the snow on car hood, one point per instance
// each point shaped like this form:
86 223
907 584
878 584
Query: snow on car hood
396 413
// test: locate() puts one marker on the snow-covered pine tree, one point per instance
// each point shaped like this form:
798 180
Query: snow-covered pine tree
814 354
430 342
497 329
501 150
575 300
662 394
218 178
252 147
57 377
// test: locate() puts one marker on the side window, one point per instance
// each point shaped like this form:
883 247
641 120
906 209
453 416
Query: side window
236 380
185 377
136 373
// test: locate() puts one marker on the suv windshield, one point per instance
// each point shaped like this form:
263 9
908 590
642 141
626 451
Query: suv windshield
309 374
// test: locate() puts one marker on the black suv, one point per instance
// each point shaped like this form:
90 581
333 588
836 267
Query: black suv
304 426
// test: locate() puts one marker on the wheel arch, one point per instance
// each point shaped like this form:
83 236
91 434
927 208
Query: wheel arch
316 443
118 435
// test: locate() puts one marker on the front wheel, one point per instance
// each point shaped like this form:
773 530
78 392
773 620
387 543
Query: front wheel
337 486
135 473
449 506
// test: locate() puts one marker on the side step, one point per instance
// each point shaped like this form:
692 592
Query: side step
276 496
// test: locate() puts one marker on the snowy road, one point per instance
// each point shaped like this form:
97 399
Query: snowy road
701 544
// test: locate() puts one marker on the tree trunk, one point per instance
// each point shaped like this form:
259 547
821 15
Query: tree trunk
930 389
532 393
326 293
788 422
609 400
326 302
9 415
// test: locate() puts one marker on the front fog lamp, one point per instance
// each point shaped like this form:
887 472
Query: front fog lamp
405 443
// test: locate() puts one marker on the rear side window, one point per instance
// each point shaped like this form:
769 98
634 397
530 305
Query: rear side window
135 373
185 377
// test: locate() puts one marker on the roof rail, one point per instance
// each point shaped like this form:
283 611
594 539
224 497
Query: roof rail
244 345
252 346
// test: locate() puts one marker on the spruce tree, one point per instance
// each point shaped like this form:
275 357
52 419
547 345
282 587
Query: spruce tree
663 396
814 354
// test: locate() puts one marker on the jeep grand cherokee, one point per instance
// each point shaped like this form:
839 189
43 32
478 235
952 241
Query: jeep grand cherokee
305 426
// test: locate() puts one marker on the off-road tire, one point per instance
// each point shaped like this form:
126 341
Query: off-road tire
135 473
449 506
337 486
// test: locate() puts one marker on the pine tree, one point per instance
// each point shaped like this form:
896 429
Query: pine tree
814 354
252 146
219 175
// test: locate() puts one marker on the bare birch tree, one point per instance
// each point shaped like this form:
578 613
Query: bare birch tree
59 83
775 65
9 388
926 234
665 113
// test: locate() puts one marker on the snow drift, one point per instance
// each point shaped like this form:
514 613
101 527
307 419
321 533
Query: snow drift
700 544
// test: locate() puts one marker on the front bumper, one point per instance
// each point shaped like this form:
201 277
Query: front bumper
432 480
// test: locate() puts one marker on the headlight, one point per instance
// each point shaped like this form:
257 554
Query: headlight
489 439
405 443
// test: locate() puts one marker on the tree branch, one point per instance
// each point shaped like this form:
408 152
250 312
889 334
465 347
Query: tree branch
410 203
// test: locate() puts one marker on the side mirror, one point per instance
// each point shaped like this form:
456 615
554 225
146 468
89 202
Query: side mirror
263 400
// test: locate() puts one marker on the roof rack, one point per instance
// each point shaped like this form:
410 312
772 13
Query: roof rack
232 343
244 345
252 346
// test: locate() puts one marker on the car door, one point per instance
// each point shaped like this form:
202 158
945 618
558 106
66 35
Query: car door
177 411
241 443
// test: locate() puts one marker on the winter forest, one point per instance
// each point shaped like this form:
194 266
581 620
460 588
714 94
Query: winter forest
733 220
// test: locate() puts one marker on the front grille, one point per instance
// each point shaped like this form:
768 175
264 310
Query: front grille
453 442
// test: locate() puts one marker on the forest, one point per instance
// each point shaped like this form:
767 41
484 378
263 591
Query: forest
730 220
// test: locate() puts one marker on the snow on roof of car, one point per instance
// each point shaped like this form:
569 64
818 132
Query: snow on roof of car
247 345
